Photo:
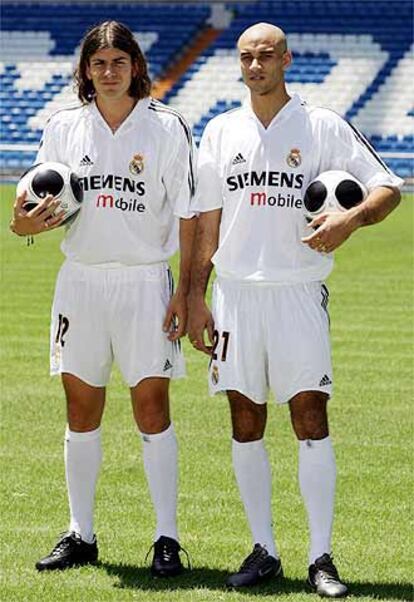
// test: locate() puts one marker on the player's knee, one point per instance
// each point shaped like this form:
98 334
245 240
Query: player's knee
81 419
308 411
246 436
311 424
154 423
152 413
248 425
150 402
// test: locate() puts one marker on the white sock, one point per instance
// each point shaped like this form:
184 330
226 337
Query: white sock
83 457
317 476
252 470
160 453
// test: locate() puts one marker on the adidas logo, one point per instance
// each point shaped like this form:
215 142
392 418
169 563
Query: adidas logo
266 570
167 365
325 380
85 161
238 159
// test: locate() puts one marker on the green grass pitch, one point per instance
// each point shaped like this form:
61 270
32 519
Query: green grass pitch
371 425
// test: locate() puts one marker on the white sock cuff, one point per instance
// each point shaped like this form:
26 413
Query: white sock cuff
315 449
169 432
315 443
247 446
82 437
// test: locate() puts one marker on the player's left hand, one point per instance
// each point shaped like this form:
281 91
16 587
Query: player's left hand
332 229
176 317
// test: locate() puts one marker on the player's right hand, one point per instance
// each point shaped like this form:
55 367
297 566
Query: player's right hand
200 319
41 218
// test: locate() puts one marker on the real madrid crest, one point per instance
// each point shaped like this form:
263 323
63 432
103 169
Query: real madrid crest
294 159
136 165
214 374
56 354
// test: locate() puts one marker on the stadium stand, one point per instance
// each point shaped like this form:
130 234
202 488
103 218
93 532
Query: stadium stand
38 48
354 57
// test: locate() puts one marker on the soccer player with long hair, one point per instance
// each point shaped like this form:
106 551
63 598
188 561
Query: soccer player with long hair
114 298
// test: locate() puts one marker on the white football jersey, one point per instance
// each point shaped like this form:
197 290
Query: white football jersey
137 182
258 177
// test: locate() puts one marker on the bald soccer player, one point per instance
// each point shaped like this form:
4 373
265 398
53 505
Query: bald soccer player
269 326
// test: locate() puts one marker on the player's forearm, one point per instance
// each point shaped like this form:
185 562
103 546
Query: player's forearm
187 234
379 203
205 245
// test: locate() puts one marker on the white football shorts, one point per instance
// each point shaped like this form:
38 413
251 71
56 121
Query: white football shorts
270 336
101 315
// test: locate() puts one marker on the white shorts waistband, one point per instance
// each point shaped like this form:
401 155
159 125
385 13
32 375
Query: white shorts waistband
147 271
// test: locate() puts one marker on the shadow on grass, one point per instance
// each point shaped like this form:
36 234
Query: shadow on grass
139 578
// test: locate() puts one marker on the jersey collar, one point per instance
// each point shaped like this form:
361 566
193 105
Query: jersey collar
285 112
135 114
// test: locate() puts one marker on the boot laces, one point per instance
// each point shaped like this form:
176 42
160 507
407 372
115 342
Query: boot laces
328 570
167 549
67 541
253 559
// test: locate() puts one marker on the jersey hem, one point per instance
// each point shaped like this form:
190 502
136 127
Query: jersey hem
269 283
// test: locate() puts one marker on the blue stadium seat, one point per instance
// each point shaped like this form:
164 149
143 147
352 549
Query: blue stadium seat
52 31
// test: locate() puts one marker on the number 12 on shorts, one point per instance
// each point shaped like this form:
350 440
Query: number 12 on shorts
62 329
221 341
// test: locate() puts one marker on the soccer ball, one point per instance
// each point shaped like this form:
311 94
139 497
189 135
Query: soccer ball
56 179
333 191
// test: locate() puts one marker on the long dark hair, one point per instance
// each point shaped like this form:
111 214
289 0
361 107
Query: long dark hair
111 34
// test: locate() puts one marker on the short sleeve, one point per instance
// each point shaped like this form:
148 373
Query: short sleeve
209 194
345 148
179 177
49 144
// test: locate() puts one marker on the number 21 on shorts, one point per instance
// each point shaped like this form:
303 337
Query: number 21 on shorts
220 345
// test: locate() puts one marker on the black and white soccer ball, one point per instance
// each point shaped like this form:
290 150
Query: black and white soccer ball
56 179
333 191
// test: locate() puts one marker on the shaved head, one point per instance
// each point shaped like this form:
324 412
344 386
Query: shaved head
264 57
263 33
